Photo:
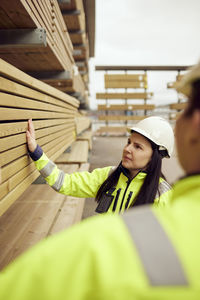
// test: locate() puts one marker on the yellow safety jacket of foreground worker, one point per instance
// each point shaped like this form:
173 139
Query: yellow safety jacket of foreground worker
86 185
148 253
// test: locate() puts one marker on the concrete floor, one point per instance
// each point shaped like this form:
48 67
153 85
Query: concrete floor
107 151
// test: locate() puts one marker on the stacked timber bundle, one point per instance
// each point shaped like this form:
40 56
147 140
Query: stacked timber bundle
74 17
126 112
49 48
82 123
171 85
35 38
53 112
74 86
181 104
38 213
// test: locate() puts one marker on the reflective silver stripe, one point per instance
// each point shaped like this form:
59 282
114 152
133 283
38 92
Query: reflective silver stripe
111 170
59 182
156 252
47 170
163 188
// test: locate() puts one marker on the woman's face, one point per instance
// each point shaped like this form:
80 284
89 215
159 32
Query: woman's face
137 153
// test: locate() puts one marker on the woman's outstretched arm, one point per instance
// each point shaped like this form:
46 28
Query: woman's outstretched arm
78 184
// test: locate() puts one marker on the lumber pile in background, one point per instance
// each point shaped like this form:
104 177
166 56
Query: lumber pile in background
125 112
181 103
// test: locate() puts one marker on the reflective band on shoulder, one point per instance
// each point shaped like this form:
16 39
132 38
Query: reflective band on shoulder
156 251
112 170
163 188
59 182
47 170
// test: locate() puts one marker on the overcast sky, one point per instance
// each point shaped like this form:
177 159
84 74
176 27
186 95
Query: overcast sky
146 32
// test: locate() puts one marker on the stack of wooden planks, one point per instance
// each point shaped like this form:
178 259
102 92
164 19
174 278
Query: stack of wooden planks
175 109
126 112
125 81
181 104
38 213
171 85
70 86
57 55
82 123
53 112
125 96
74 17
86 136
78 154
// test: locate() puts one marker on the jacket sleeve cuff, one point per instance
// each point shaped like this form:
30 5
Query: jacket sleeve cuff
36 154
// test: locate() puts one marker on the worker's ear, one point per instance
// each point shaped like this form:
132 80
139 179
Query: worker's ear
196 121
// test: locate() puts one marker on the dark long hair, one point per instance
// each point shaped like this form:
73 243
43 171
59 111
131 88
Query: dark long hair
110 182
149 188
147 193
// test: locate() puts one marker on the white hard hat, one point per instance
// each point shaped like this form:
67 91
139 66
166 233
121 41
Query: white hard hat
158 130
184 86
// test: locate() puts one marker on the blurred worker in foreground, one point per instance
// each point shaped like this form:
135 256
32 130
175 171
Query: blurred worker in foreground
148 253
137 180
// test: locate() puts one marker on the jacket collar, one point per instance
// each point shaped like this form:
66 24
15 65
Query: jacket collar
126 173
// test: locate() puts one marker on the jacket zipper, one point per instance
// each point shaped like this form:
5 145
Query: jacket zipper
128 182
128 199
116 199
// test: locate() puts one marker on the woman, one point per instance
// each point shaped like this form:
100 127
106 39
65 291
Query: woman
137 180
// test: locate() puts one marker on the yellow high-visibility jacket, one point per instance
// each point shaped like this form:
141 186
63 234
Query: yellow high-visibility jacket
147 253
86 185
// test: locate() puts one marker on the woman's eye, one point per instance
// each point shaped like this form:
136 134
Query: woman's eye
137 146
